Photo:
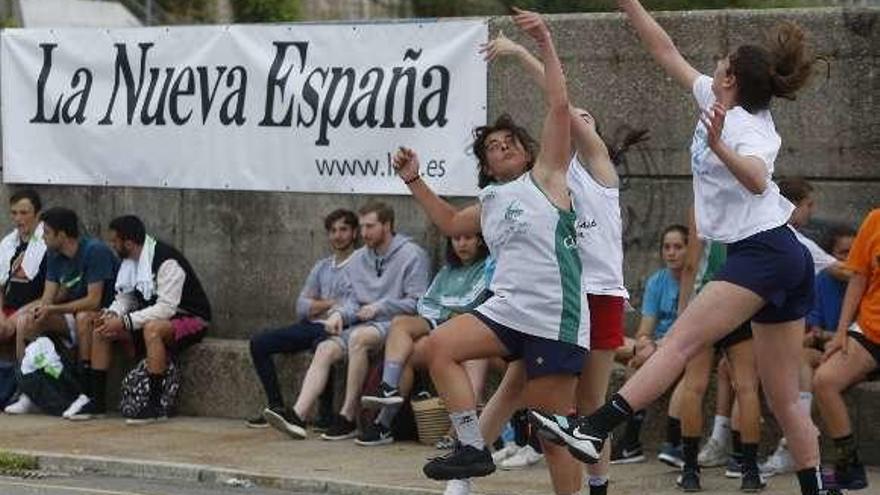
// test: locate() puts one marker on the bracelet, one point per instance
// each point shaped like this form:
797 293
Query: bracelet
410 181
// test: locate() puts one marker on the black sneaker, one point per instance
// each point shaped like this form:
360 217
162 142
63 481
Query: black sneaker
322 423
689 480
752 482
375 434
852 477
386 395
341 429
463 461
584 442
148 415
627 454
286 421
257 421
733 469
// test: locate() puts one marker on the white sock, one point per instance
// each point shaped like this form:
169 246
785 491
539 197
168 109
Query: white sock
721 430
597 480
467 428
805 401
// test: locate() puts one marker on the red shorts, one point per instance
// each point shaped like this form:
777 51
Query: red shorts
606 322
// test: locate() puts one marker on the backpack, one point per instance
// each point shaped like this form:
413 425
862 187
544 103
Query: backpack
136 390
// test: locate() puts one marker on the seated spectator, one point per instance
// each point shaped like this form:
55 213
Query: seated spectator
323 291
386 277
160 309
22 261
659 310
459 287
853 353
80 273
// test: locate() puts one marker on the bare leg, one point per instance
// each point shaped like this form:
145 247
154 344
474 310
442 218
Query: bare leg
555 393
591 391
834 376
361 341
327 353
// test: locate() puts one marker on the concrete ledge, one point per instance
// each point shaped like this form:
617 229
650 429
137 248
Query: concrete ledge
196 473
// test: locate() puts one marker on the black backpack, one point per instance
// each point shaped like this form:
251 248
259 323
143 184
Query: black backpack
136 390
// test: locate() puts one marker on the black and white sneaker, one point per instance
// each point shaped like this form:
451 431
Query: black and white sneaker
373 435
341 429
689 480
386 395
286 422
752 481
584 442
147 416
463 461
627 454
257 421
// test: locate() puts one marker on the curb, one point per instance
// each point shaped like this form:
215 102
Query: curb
197 473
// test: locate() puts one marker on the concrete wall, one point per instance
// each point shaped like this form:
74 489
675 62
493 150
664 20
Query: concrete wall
253 250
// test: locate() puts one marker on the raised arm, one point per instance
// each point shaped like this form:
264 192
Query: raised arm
659 44
450 220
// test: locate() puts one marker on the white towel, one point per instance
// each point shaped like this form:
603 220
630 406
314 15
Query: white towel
33 254
41 355
138 275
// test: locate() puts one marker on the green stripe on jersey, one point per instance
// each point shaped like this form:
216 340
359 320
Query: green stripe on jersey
570 276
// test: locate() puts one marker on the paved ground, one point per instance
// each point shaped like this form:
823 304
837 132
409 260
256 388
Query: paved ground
94 485
181 445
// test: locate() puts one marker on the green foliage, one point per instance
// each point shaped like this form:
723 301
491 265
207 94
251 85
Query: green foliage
447 8
187 11
17 462
265 10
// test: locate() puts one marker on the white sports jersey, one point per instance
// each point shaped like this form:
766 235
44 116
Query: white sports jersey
726 211
537 280
600 232
821 259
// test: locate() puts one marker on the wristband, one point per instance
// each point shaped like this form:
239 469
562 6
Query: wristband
410 181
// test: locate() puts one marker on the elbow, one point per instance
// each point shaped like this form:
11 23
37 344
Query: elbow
756 185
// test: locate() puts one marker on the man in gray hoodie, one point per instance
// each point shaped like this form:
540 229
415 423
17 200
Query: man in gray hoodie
386 276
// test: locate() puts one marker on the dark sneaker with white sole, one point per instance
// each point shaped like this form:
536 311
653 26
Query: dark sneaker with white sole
386 395
373 435
286 421
148 415
752 481
341 429
257 421
850 477
463 461
627 454
584 441
689 480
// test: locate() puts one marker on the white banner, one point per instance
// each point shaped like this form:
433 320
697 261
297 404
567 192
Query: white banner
311 108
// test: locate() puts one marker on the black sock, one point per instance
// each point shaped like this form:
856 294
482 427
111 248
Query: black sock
810 480
632 433
690 448
84 376
99 390
846 452
673 431
156 389
736 446
749 457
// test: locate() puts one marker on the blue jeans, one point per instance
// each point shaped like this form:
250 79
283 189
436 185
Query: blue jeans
302 336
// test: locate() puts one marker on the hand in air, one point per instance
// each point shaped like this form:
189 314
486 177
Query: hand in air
499 47
713 120
406 163
532 24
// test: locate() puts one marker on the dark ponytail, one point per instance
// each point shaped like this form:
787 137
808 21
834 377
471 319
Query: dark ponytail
780 68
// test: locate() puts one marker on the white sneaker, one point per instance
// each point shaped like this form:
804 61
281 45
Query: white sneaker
506 452
24 405
458 487
781 462
713 454
75 407
522 459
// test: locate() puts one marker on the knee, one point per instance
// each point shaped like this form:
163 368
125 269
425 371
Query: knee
360 341
824 382
153 332
327 353
257 344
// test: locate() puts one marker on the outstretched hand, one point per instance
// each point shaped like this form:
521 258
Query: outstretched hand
406 164
532 24
713 120
500 46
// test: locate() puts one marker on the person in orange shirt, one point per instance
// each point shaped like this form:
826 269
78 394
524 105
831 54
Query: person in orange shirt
854 353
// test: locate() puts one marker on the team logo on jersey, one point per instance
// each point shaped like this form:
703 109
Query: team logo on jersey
513 212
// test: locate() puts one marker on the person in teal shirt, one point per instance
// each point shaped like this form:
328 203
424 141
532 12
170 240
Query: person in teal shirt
459 287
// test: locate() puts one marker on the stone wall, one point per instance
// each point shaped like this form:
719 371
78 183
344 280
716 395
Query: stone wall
253 250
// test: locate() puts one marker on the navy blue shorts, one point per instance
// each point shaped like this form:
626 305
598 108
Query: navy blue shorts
777 267
741 334
542 356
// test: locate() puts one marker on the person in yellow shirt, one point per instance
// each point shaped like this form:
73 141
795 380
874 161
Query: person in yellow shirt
854 353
